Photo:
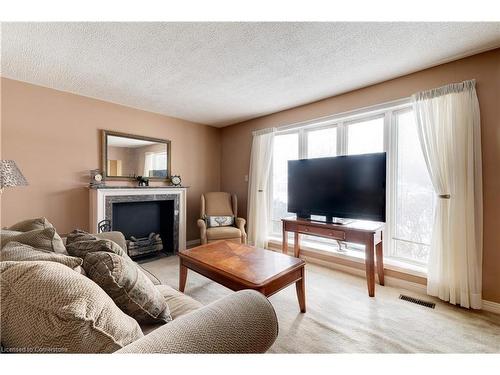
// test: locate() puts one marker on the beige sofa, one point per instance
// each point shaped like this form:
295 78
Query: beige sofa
243 322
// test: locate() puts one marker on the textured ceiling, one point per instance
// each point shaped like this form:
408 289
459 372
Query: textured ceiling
223 73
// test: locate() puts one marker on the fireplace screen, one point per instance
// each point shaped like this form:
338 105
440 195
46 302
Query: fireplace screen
146 225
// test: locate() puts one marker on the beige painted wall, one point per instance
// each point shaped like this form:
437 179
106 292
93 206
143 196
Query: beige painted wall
54 138
485 68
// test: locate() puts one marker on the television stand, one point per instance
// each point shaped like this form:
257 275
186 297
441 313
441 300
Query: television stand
367 233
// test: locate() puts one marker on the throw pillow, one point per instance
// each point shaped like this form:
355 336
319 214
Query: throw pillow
31 224
46 307
219 221
46 239
80 243
131 290
7 233
16 251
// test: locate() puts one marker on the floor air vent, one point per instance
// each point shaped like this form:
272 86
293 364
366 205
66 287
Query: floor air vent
417 301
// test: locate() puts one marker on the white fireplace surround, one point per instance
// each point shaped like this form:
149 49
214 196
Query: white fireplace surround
98 204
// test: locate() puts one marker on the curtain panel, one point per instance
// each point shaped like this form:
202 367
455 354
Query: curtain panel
448 123
260 169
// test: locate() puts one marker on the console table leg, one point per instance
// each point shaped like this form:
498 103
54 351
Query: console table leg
296 245
380 263
370 268
182 277
284 245
301 293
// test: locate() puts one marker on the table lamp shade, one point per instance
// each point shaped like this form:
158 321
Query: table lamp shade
10 175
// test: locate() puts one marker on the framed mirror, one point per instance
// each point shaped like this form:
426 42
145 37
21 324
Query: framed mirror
126 156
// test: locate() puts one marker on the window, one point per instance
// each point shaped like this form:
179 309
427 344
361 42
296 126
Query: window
322 143
410 197
365 137
413 195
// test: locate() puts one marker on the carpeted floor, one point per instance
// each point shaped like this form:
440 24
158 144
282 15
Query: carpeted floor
341 318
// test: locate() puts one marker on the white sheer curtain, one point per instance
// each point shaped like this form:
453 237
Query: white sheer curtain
449 130
260 168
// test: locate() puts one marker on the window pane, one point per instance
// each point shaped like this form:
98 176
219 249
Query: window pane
414 194
365 137
322 143
286 147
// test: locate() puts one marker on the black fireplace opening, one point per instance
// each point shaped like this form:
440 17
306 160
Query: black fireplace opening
147 226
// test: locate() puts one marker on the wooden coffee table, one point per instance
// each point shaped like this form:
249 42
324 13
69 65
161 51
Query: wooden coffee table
238 266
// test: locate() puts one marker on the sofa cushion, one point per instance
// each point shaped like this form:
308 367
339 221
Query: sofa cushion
46 239
47 307
178 303
16 251
131 290
223 233
80 243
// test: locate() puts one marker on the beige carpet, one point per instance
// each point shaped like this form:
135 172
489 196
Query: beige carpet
342 318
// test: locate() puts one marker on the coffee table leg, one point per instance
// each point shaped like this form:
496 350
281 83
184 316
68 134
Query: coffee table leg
182 276
301 292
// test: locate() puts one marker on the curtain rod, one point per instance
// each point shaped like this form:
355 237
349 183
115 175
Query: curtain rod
352 113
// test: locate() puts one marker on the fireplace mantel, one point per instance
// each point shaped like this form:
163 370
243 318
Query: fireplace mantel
101 200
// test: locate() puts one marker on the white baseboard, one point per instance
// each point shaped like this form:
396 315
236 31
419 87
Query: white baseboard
192 243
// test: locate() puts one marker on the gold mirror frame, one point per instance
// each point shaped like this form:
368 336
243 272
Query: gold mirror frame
104 155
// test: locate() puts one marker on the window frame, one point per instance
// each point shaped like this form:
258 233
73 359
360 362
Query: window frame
389 113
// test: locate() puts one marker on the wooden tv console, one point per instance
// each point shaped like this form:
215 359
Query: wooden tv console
368 233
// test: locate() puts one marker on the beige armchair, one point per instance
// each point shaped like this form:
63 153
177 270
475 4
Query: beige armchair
221 204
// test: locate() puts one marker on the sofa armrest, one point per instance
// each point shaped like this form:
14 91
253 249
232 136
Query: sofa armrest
243 322
115 236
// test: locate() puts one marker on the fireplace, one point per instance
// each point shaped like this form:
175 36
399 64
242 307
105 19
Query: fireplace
152 219
148 226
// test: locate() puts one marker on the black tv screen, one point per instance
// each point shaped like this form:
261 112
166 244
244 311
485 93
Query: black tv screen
351 187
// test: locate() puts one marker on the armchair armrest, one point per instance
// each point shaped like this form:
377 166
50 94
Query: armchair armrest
203 230
240 224
243 322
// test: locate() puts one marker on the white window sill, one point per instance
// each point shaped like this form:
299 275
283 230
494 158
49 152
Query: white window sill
352 255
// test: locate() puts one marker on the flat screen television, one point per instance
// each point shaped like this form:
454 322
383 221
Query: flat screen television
348 187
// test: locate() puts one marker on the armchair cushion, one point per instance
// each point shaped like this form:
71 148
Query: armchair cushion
217 204
222 233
